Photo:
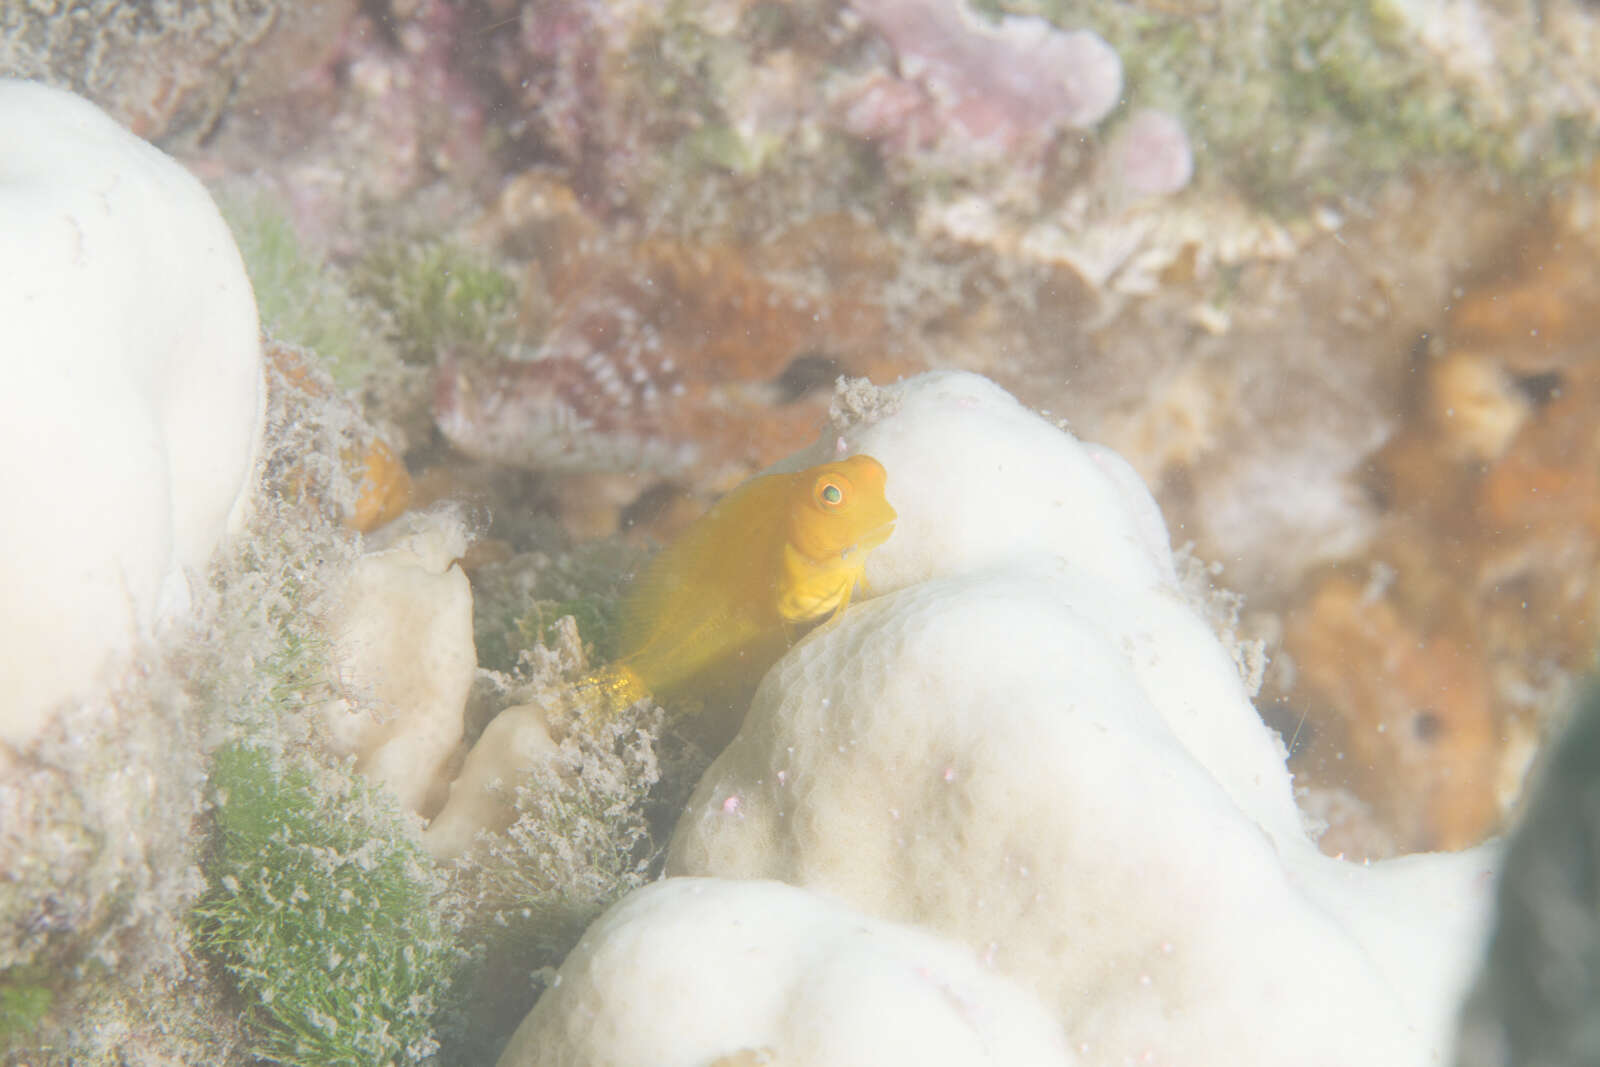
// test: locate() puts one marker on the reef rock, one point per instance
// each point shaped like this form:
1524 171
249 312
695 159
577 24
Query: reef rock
134 396
1031 742
1534 1001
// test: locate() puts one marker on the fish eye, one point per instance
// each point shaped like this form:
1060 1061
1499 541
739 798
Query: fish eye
829 494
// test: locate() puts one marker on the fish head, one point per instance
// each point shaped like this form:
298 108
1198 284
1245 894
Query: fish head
840 508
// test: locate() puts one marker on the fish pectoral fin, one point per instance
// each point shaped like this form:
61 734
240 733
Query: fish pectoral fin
844 602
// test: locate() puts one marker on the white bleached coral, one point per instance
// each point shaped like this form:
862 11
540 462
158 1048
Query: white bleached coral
134 396
697 972
404 658
514 745
1032 744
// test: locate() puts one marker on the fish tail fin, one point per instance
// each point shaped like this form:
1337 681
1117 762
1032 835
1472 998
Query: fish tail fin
606 693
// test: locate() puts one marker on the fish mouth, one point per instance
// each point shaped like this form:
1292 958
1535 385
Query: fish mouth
874 537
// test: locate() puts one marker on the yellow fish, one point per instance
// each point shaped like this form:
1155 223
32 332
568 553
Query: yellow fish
720 604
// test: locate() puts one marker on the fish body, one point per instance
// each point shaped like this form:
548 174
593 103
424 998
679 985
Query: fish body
719 605
781 551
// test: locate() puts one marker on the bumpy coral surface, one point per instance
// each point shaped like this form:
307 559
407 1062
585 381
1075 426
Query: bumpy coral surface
1031 743
695 971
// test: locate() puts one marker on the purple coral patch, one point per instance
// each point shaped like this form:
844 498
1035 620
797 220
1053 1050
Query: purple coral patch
998 87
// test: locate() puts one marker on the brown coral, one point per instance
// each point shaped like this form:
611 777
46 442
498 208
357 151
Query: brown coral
1404 715
1491 543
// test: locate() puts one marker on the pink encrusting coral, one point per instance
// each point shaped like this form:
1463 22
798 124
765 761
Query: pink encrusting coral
992 88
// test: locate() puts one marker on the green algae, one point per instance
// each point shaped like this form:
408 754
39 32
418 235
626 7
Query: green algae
439 296
301 297
24 999
320 908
